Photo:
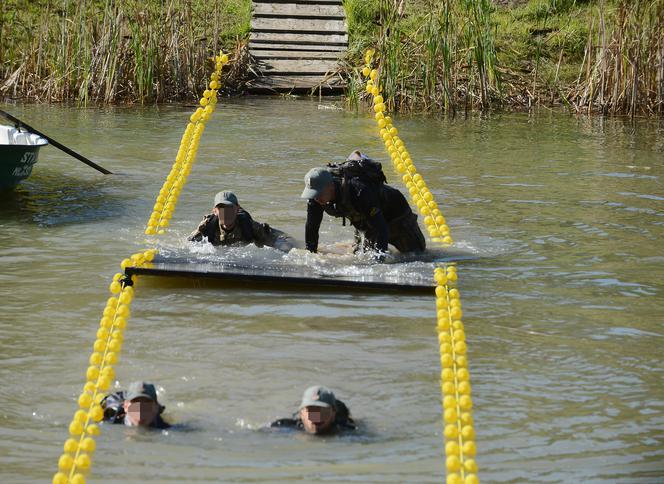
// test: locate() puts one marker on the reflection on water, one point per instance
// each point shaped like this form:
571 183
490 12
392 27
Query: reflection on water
557 223
54 199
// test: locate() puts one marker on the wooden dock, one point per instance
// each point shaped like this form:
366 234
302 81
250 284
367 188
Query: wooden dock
296 45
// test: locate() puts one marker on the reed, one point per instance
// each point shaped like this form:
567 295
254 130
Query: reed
114 50
623 68
600 56
434 55
595 56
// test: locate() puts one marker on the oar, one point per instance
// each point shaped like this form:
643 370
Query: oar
56 144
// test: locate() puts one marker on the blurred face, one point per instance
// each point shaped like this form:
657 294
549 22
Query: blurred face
227 215
141 411
327 195
317 420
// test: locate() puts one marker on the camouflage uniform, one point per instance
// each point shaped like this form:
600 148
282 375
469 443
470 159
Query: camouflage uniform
245 231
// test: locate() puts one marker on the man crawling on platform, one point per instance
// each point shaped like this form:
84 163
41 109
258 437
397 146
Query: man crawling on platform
229 224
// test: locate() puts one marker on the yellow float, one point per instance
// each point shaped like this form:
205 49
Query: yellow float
457 405
76 460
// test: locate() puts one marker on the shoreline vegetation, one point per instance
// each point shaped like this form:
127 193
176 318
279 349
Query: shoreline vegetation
439 56
591 56
115 51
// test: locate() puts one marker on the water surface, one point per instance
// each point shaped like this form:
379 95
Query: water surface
558 221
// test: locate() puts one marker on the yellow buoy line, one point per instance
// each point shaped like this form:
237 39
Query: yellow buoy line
170 191
458 430
457 405
76 459
419 192
75 462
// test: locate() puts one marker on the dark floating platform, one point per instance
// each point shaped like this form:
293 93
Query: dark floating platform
277 277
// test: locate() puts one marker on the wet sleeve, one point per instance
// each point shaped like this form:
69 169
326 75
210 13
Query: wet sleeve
367 202
285 423
349 424
263 234
311 228
197 235
282 241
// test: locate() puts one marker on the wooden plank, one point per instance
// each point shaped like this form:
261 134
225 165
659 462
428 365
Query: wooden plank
268 45
293 9
263 24
296 66
298 45
286 83
295 38
295 54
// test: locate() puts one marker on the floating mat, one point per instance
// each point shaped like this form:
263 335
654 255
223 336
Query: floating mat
282 276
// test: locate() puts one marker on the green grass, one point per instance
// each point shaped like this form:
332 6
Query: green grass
533 37
432 55
363 17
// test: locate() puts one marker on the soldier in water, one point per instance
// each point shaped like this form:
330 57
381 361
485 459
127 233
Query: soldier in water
230 224
137 407
356 190
320 412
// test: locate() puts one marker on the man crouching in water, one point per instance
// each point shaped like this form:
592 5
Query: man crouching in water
357 190
319 413
230 224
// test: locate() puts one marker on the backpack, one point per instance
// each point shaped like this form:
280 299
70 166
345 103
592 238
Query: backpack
365 169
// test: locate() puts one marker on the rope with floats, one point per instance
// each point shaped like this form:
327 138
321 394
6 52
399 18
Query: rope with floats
75 462
170 191
403 163
458 430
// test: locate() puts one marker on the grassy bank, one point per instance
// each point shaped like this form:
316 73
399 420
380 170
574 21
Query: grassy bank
450 56
114 50
602 56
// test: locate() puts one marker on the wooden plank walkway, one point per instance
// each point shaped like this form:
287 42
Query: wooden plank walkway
297 45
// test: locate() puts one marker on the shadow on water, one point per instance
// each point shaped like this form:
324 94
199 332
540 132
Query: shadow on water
49 199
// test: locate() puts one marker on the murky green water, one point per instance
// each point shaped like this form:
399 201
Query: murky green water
563 300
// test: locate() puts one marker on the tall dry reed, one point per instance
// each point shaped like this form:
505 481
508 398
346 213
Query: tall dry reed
114 50
623 68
